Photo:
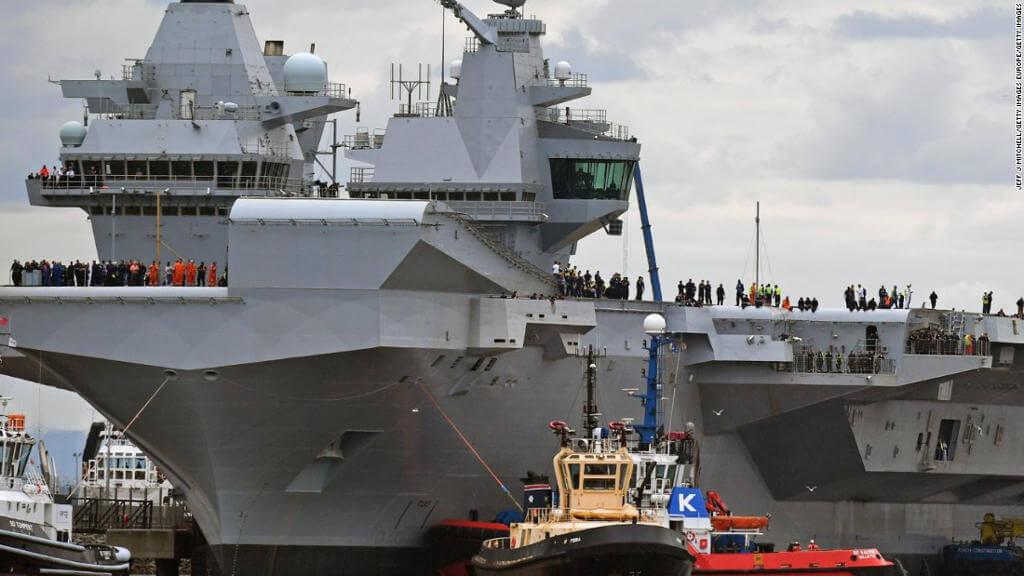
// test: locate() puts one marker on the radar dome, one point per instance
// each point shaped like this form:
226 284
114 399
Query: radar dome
455 70
304 72
654 324
72 134
563 70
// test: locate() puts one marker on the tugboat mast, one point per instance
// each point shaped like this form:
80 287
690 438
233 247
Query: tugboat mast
590 413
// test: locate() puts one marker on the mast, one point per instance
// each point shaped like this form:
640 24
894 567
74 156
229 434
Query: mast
590 413
757 247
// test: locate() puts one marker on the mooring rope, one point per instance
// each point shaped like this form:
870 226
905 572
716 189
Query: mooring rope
469 446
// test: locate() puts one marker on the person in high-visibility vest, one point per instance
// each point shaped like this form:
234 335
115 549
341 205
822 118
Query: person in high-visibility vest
969 343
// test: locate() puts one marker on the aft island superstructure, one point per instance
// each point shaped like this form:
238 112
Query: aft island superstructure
313 412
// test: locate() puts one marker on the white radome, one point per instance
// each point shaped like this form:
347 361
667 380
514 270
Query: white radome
305 72
563 70
72 134
455 69
654 324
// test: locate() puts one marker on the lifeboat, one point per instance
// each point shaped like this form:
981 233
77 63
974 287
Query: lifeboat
730 523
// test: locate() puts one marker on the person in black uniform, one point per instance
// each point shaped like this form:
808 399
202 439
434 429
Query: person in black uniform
721 294
16 269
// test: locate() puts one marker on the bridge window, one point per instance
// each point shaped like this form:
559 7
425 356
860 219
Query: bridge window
137 169
599 476
248 174
114 168
573 179
204 170
182 169
226 172
91 168
159 169
949 432
573 476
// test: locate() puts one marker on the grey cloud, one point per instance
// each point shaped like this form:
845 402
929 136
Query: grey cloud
981 23
610 65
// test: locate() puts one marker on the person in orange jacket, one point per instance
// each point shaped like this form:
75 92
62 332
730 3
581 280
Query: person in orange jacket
154 274
212 280
786 305
178 276
190 272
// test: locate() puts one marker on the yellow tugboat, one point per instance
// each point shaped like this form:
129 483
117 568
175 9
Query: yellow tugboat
593 529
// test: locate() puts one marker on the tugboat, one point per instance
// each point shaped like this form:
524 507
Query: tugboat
593 529
35 531
724 544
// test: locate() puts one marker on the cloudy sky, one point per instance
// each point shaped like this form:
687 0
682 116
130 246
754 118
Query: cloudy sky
877 135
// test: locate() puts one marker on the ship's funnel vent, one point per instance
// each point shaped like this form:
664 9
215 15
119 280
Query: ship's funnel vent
273 48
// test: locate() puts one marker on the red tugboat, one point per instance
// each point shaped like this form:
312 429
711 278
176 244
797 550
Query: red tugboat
724 544
728 548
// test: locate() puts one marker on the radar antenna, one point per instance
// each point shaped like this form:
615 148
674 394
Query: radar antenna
399 83
512 11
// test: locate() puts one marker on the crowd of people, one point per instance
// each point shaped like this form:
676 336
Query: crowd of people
575 284
117 273
934 340
832 360
857 298
56 175
690 294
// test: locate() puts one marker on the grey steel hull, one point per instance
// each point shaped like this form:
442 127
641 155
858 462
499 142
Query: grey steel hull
336 462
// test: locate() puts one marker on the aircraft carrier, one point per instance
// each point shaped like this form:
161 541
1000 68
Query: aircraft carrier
311 410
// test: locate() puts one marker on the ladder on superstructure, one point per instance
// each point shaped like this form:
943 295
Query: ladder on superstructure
955 322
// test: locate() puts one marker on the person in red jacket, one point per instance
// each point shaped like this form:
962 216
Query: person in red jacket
154 274
212 280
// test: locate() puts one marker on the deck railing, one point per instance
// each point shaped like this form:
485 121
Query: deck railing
949 347
94 515
176 184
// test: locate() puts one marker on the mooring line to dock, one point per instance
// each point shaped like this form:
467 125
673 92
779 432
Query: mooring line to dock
468 445
151 397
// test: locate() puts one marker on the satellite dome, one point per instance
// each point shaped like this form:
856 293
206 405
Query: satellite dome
305 72
563 70
72 134
455 69
654 324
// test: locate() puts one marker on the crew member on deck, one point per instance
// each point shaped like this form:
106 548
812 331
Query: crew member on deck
178 278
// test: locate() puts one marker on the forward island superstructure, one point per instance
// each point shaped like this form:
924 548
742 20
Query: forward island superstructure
205 118
313 412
